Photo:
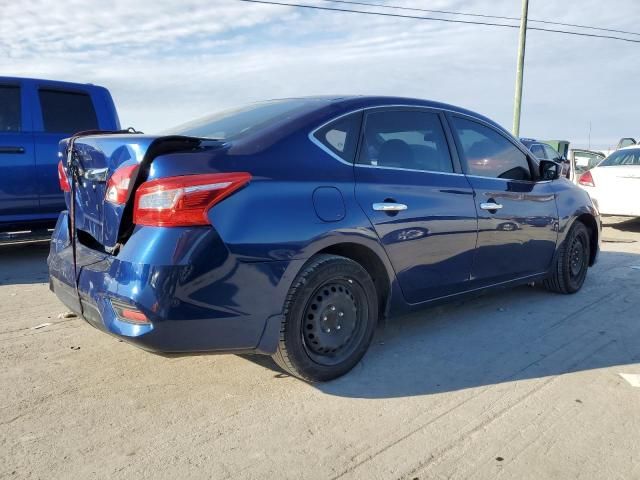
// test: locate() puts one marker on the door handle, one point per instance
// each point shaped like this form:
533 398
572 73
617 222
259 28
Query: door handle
389 207
11 149
490 206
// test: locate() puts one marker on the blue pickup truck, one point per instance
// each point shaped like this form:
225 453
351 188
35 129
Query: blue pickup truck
34 116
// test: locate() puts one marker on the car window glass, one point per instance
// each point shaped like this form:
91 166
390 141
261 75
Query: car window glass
551 153
341 136
586 161
236 122
67 112
489 154
622 157
405 139
537 151
9 109
626 142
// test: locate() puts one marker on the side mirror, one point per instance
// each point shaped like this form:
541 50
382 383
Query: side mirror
549 170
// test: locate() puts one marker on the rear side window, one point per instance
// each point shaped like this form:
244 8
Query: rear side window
9 109
67 112
405 139
341 136
622 157
488 154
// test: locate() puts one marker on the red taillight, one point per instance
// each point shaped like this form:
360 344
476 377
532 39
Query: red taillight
119 184
62 178
586 179
184 201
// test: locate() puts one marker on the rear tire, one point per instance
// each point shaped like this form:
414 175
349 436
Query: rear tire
330 315
572 262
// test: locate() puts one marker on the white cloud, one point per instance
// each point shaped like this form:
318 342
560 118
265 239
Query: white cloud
167 62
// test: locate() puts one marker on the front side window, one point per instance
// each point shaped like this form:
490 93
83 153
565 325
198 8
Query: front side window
67 112
341 136
405 139
489 154
9 109
622 157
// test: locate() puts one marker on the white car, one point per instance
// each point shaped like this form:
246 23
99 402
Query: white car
614 185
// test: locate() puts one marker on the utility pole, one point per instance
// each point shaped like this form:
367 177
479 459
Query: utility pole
520 71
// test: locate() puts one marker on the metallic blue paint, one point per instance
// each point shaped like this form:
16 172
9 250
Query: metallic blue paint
222 287
29 189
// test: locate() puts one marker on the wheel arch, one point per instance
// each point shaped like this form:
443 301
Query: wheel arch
372 263
589 221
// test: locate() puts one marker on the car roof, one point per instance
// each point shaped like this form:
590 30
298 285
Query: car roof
341 104
60 83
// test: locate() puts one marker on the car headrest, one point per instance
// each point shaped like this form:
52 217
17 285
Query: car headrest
395 153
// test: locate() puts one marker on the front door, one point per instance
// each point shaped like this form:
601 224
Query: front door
517 216
18 186
421 206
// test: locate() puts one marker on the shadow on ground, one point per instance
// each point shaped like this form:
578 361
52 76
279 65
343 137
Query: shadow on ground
508 335
24 263
630 225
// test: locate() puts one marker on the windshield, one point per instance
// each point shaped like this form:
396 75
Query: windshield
239 121
622 157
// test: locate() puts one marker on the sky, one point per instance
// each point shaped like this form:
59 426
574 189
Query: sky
167 62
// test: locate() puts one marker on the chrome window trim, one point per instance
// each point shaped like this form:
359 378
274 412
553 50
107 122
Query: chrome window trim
361 165
322 146
319 144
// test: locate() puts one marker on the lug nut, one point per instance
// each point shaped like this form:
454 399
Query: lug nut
324 319
341 314
333 309
338 327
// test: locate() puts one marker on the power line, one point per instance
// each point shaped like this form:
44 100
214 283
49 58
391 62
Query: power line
479 15
435 19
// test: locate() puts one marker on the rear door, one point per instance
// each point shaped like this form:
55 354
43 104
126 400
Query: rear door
517 216
409 184
60 112
18 194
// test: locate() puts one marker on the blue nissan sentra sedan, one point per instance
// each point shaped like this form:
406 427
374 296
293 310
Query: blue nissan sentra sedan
292 227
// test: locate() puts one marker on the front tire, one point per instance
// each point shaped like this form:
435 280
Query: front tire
572 262
330 315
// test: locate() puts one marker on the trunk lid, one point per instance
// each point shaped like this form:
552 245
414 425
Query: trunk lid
98 157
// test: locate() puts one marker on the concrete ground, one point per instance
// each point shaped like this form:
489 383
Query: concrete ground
517 384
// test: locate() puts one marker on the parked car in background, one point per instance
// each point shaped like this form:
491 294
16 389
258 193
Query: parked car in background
626 142
544 151
34 116
614 184
291 227
583 160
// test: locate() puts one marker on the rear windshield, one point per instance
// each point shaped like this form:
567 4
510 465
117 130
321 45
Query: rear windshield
622 157
240 121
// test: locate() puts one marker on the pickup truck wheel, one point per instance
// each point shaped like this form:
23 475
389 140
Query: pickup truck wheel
572 262
330 315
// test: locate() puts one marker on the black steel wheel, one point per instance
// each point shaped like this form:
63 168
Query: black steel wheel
330 317
572 261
